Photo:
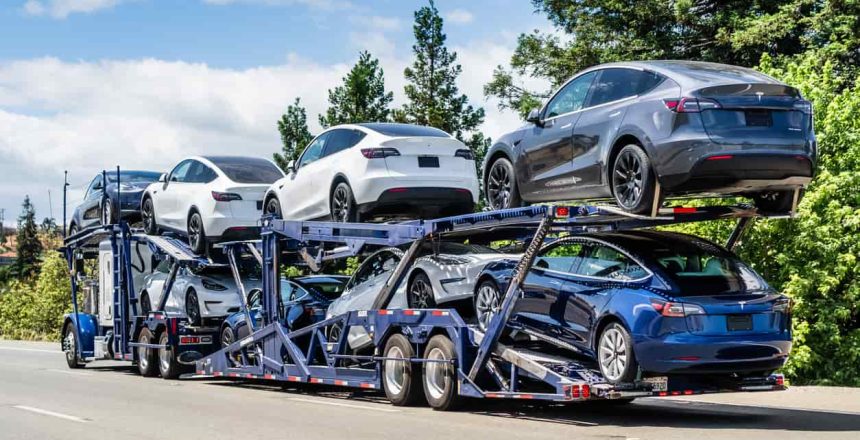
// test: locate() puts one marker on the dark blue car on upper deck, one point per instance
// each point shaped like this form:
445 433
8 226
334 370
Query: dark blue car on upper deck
106 200
649 301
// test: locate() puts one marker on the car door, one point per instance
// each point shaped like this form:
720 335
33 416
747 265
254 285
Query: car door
165 199
544 154
596 130
89 208
189 191
299 191
368 280
331 164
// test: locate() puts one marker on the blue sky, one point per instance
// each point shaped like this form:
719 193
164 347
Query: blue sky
91 84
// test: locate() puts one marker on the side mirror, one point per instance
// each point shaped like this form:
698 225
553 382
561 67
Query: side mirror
291 167
162 178
534 117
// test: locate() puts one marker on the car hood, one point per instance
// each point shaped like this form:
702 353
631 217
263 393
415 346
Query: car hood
128 187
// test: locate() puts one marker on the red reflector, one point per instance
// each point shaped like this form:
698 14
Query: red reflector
688 392
367 385
463 190
562 211
586 391
398 190
269 376
439 313
574 392
676 393
683 210
663 394
780 380
721 157
688 358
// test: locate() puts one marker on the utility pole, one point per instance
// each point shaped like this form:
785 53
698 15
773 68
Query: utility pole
2 226
50 206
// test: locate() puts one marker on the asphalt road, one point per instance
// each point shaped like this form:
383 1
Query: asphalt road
40 398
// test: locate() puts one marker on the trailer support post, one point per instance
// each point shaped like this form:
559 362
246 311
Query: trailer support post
384 295
737 234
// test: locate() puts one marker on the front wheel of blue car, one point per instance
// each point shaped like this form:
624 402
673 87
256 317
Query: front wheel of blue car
615 354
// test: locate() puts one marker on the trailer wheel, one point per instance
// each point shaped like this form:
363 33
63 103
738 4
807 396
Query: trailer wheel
168 366
399 379
70 346
440 376
146 357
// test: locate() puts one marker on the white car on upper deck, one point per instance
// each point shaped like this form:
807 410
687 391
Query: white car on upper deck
358 172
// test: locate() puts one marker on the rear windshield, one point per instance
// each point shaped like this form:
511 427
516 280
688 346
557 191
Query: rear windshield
700 268
406 130
247 169
330 290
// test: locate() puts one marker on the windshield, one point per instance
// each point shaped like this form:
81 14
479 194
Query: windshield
134 176
247 169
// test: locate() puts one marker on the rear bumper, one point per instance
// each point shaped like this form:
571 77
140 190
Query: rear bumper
421 201
692 354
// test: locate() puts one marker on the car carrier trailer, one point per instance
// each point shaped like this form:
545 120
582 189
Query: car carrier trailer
110 327
436 349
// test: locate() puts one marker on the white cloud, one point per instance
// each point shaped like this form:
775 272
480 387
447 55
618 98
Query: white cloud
459 16
63 8
320 4
377 22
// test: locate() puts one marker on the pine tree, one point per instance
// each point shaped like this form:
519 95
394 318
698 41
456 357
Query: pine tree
362 96
29 246
295 136
432 93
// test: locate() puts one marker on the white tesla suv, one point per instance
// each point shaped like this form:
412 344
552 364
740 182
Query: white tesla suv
210 199
359 172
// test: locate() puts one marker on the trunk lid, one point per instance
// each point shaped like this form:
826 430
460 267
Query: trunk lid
769 115
427 159
738 314
251 204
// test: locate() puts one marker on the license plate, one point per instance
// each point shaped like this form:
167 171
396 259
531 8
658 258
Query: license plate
758 118
659 383
736 323
428 162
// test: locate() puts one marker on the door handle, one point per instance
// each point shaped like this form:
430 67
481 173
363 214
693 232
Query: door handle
612 115
566 126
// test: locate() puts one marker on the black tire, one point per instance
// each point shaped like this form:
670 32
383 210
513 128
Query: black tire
168 365
227 336
500 185
145 303
401 380
147 358
107 214
420 294
73 229
487 301
440 378
70 346
775 201
615 355
192 307
196 233
342 206
273 207
633 180
147 213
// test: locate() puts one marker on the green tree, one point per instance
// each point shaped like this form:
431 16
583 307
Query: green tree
295 136
589 32
29 247
432 93
361 97
34 308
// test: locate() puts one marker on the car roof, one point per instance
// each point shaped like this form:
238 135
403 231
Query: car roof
640 242
695 74
321 279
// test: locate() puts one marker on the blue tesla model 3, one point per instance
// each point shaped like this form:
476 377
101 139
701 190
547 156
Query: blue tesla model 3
646 302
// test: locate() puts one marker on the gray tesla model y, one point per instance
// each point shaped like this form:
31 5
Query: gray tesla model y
617 130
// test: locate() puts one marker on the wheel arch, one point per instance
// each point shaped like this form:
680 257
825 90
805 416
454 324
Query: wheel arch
500 151
338 179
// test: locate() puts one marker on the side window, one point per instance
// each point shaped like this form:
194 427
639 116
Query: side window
615 84
314 150
200 173
288 289
571 97
163 266
647 81
94 188
341 139
606 262
180 173
364 271
563 256
379 264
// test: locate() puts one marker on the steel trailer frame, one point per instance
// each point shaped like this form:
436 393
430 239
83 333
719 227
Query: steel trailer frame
307 355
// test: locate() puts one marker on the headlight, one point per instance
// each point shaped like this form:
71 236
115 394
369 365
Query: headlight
211 285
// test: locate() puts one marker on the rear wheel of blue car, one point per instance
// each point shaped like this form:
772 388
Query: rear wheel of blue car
615 354
633 181
107 212
487 303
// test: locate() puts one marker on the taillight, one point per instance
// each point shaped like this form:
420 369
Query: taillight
676 309
784 305
379 153
690 105
804 106
465 154
225 197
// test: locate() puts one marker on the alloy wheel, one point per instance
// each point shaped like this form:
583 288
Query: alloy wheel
192 308
422 294
486 304
627 179
107 212
499 186
70 345
612 354
143 352
395 370
340 204
165 353
148 217
194 231
273 208
437 374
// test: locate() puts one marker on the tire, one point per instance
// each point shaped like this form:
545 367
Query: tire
168 366
633 180
73 229
145 303
147 358
500 186
615 355
196 233
107 212
192 307
440 379
420 294
401 380
487 302
342 206
775 201
227 336
147 213
70 346
273 207
334 332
